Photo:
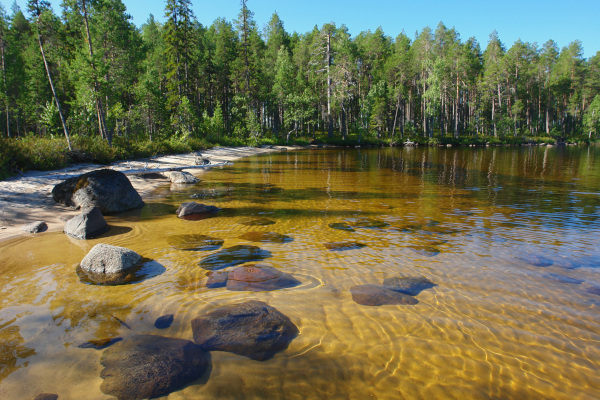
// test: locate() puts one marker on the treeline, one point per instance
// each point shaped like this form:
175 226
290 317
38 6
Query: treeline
91 72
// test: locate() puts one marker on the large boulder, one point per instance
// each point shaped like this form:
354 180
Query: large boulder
106 189
110 265
148 366
182 177
90 223
193 208
252 329
259 278
375 295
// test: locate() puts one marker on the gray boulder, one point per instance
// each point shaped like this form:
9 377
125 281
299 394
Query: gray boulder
110 265
106 189
35 227
252 329
411 285
182 177
148 366
193 208
90 223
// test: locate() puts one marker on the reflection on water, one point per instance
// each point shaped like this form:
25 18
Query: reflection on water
508 238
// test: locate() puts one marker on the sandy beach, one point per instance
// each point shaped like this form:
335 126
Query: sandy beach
27 198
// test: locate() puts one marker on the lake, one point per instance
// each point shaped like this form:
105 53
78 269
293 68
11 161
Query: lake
508 237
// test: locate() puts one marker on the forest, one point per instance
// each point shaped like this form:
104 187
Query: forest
90 75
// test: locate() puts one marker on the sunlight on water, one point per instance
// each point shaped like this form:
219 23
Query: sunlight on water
509 237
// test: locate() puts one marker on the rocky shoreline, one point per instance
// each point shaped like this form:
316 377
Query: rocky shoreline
27 198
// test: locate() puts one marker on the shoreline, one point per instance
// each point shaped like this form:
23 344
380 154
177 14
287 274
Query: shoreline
28 198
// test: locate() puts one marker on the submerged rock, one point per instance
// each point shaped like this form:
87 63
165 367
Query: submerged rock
46 396
593 290
252 329
110 265
89 224
564 279
257 222
35 227
216 279
182 177
411 285
193 208
367 223
537 261
265 237
233 256
342 226
427 251
99 344
106 189
148 366
164 321
341 246
194 242
376 295
258 278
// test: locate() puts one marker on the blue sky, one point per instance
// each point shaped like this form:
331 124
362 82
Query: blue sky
528 20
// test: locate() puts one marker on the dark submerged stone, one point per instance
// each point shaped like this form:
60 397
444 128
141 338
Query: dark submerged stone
427 251
411 285
99 344
537 261
342 226
257 222
46 396
564 279
106 189
266 237
216 279
189 209
368 223
252 329
342 246
594 290
233 256
148 366
163 322
376 295
194 242
258 278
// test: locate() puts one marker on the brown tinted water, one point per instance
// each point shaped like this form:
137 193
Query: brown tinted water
473 221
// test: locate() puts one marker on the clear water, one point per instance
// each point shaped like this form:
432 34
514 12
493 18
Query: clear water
495 326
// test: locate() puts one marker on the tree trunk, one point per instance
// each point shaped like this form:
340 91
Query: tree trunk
5 90
329 90
60 113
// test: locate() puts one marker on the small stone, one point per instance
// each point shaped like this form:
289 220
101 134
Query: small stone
257 222
233 256
194 242
537 261
266 237
259 278
35 227
342 246
411 285
376 295
216 279
89 224
46 396
593 290
193 208
341 226
427 251
182 177
252 329
99 344
164 321
564 279
368 223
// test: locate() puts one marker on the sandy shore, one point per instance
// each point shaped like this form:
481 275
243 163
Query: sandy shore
28 198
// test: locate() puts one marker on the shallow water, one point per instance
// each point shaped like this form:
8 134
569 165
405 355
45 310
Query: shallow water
476 222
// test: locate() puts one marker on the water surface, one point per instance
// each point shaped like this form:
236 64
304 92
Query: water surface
476 222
